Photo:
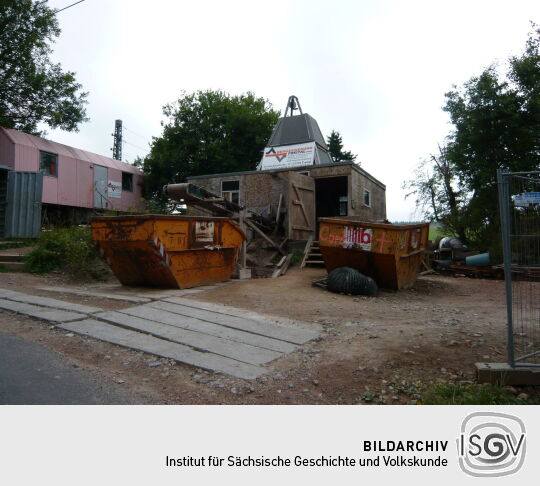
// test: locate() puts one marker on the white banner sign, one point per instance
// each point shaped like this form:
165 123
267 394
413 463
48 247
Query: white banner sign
527 199
288 156
114 189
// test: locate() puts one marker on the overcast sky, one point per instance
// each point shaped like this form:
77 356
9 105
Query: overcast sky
376 71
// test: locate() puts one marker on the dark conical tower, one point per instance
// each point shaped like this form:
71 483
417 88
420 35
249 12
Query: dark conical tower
296 141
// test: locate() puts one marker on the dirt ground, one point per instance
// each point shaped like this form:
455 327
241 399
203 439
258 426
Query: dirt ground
373 349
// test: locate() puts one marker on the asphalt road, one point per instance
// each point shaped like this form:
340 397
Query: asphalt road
33 375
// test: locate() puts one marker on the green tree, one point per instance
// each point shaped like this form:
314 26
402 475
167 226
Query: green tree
335 147
496 125
207 132
34 90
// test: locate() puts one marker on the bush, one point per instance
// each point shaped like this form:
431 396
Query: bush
69 249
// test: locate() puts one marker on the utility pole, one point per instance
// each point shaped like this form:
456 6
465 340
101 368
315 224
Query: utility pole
117 140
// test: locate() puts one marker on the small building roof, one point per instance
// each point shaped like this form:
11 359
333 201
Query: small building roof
21 138
354 166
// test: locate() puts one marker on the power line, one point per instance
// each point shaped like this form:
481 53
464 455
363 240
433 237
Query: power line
65 8
138 134
136 146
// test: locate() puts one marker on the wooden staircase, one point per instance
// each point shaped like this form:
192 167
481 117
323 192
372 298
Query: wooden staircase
312 254
12 262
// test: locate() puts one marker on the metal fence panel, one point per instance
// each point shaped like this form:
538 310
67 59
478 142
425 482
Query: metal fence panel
23 213
519 195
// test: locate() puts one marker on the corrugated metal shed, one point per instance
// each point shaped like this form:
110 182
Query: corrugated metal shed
23 211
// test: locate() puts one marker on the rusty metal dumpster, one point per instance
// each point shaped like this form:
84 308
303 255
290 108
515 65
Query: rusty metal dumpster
390 254
168 251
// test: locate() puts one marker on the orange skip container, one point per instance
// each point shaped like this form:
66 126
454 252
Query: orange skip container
168 251
391 254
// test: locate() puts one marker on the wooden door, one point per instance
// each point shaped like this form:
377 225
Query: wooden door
301 206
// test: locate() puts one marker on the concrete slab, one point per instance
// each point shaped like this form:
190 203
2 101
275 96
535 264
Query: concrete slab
159 347
310 327
504 374
190 323
103 295
262 326
47 302
203 342
51 315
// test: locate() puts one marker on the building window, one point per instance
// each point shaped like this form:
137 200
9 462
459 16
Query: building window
230 190
367 198
342 205
48 163
127 181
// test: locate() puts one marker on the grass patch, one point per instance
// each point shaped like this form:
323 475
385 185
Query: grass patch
435 229
296 258
468 394
67 249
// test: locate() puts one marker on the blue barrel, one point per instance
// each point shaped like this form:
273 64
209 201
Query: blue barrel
480 260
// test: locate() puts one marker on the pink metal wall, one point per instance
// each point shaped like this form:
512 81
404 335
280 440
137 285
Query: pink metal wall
74 185
7 151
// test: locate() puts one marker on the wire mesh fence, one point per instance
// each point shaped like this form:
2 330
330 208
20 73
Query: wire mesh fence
519 195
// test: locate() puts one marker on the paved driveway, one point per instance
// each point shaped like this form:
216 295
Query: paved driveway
33 375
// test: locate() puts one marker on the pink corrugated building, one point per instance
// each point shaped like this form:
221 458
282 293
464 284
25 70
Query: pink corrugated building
73 179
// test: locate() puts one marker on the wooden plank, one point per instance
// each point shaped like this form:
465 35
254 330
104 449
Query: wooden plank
278 215
281 261
300 203
197 340
276 327
304 188
307 250
301 222
166 349
164 316
260 232
285 267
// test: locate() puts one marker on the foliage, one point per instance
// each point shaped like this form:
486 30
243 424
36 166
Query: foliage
34 90
335 147
435 231
296 258
496 121
468 394
69 249
207 132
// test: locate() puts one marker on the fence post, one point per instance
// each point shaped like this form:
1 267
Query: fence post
504 202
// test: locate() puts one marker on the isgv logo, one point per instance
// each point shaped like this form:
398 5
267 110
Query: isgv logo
491 444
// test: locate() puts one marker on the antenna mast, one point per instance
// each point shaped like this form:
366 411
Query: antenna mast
117 140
